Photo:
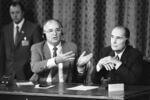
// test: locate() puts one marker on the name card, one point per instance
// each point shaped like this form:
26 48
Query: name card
115 87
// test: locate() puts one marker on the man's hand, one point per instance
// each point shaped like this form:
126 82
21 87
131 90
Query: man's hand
102 62
69 56
109 63
115 62
84 59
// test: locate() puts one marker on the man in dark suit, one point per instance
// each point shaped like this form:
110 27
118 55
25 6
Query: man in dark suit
19 35
54 60
2 57
119 63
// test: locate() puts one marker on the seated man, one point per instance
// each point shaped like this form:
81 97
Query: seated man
54 60
119 63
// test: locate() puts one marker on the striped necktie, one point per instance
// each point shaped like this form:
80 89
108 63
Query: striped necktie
54 70
54 51
17 35
117 57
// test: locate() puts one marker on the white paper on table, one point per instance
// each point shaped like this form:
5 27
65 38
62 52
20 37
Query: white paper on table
24 83
83 88
38 86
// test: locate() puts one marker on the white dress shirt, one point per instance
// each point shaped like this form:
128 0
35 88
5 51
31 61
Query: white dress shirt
51 62
120 54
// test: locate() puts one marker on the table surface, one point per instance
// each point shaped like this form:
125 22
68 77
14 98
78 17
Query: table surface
61 90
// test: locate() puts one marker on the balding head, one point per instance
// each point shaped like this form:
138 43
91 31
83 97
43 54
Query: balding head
50 22
53 31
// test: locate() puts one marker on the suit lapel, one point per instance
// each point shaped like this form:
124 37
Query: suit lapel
125 55
21 33
64 48
11 35
46 51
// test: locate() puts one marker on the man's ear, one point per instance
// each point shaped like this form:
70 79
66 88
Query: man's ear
127 41
62 37
44 36
23 13
62 33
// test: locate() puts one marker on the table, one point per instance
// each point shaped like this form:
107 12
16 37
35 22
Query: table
60 92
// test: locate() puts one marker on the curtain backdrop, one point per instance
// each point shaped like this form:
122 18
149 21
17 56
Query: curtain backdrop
89 23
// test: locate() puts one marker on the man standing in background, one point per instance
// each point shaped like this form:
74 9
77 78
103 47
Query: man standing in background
19 35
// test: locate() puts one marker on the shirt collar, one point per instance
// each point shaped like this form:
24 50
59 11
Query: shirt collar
120 54
52 46
59 48
20 24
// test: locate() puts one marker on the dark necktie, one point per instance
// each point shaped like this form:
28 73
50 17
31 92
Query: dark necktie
17 35
117 57
54 69
54 51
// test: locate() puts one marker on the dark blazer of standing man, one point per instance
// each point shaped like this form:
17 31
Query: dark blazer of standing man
19 35
119 63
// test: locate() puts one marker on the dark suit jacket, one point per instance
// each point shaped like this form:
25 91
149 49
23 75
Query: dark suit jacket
2 57
17 60
40 56
129 72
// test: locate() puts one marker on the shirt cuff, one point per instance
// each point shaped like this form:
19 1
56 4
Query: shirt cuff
118 65
81 69
98 68
51 63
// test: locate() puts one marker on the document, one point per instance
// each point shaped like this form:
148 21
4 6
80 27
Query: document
46 87
24 83
83 88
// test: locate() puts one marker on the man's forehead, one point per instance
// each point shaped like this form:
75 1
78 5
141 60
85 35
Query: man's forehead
118 32
15 7
52 24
